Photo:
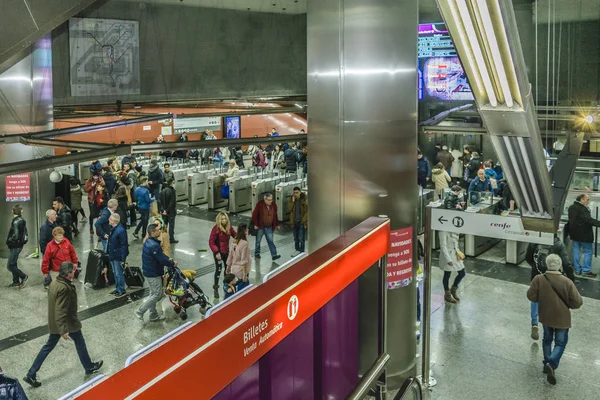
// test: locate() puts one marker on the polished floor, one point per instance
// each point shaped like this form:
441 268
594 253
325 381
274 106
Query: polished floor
481 348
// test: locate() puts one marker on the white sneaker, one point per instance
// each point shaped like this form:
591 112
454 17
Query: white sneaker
296 253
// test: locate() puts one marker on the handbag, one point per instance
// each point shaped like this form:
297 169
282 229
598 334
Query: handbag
225 191
559 296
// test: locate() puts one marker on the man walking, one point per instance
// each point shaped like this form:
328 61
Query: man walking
118 250
143 200
154 262
298 209
582 234
17 238
155 179
556 295
168 201
63 322
264 218
64 217
46 229
102 224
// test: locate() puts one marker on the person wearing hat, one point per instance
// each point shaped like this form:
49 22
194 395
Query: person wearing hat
446 158
556 295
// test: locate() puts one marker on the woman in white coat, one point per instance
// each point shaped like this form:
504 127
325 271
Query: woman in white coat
451 260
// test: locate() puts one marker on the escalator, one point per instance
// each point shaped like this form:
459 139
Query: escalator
22 22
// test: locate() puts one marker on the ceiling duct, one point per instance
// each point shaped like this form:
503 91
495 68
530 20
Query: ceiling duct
487 41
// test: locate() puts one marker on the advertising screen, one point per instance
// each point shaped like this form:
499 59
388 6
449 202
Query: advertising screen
441 75
232 127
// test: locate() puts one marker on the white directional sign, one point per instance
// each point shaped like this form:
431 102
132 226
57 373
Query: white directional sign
487 225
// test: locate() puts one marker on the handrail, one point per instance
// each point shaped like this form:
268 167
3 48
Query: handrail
228 300
410 384
283 267
132 358
370 378
80 389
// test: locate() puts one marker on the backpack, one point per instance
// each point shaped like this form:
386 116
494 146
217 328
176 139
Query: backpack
539 258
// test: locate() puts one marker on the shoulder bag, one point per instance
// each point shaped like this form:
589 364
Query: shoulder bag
559 296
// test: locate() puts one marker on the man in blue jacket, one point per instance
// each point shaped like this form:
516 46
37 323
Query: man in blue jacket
154 262
143 201
102 223
479 185
423 170
118 250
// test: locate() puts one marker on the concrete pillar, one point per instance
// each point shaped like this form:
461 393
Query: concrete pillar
26 106
362 118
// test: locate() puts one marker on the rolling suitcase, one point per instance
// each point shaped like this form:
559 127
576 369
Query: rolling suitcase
133 276
94 270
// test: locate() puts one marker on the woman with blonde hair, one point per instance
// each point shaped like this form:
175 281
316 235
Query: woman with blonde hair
165 242
218 242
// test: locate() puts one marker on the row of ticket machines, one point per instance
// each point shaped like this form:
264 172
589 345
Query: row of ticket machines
203 184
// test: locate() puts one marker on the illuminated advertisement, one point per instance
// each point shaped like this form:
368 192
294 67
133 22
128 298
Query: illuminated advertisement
441 75
232 127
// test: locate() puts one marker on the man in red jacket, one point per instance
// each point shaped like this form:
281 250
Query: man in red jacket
58 251
264 218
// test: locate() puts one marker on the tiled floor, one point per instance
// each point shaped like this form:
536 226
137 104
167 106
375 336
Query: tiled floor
110 330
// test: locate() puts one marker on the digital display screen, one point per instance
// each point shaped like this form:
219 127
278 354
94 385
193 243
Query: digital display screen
441 75
232 127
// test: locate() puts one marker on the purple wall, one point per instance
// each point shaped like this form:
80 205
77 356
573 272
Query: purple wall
319 360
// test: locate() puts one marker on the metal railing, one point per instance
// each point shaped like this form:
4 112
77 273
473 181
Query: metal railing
410 390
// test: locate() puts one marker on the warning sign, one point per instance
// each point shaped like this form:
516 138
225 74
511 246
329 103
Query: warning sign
400 259
18 187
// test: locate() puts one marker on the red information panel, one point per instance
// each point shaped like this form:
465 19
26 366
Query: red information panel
18 187
400 258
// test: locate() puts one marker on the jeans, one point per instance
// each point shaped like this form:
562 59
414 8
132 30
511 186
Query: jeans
104 244
144 216
170 223
220 265
534 313
156 292
560 338
459 277
13 256
268 232
119 276
299 236
586 267
53 339
418 303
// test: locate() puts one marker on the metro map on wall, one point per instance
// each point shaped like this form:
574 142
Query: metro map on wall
441 74
104 57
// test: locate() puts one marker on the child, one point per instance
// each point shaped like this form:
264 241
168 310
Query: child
229 285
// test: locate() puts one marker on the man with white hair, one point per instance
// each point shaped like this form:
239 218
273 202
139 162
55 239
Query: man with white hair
118 250
556 295
46 229
102 223
264 218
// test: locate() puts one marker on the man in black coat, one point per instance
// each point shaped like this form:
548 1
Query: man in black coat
291 159
581 231
46 229
168 202
155 180
64 217
17 238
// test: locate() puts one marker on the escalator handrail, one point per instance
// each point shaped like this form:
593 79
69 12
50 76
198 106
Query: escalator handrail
409 385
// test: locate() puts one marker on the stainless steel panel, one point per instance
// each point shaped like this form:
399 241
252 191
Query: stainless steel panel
362 96
181 183
215 183
240 193
283 192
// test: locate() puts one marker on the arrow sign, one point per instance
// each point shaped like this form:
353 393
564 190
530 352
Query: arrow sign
442 220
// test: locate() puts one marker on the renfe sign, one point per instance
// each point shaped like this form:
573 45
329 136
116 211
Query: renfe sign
486 225
18 187
215 351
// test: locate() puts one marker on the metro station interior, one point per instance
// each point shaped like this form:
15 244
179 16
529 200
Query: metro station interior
400 177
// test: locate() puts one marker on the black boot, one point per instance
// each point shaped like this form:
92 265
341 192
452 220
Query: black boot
216 288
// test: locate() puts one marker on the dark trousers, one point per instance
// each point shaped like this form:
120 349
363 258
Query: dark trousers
92 214
156 195
53 339
13 257
459 277
144 216
170 223
132 215
220 265
299 236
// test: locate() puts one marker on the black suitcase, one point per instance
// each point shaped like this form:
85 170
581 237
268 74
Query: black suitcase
134 276
97 261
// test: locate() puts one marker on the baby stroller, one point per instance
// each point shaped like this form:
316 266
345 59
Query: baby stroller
184 293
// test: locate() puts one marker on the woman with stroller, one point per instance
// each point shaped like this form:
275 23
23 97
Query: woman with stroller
218 242
238 262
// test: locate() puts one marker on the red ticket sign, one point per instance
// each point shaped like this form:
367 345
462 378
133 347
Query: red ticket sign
18 187
215 351
400 258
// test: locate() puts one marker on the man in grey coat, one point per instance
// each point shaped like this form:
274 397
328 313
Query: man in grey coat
63 322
